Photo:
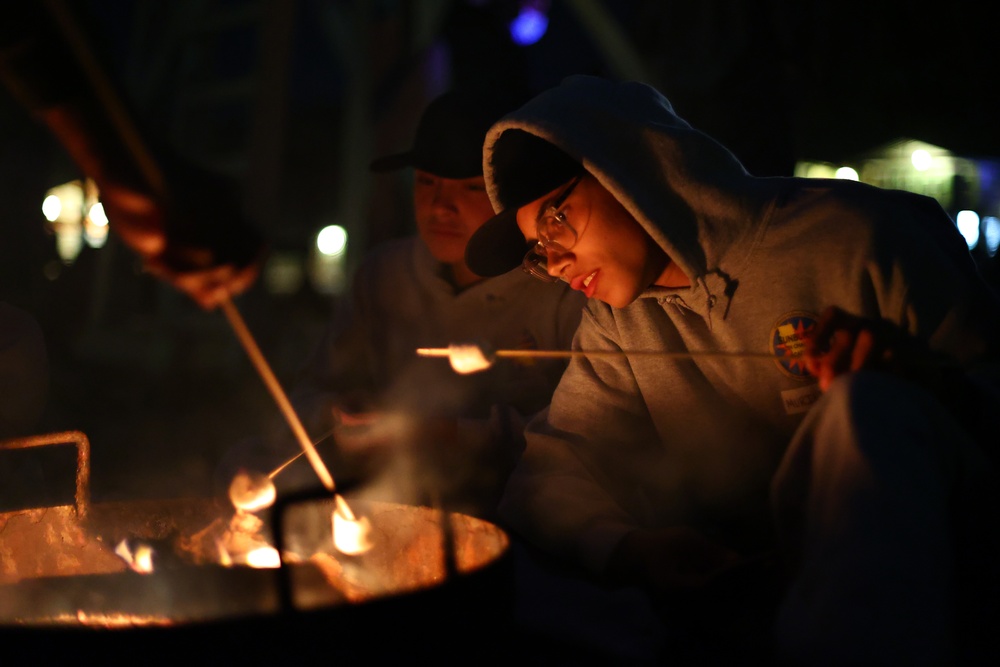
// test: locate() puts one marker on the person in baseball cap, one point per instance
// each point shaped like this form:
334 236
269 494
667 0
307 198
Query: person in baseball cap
449 194
406 427
534 167
449 138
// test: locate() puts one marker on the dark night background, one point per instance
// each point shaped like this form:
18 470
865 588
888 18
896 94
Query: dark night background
292 99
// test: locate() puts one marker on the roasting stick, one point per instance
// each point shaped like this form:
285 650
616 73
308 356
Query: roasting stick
470 358
251 491
350 534
444 352
154 177
273 473
267 375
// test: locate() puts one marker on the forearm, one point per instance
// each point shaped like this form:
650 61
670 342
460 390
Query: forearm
187 224
43 72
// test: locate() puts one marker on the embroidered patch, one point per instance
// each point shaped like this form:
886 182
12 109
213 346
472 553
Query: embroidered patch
788 342
800 400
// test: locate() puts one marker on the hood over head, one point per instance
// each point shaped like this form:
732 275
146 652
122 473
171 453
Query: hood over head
690 193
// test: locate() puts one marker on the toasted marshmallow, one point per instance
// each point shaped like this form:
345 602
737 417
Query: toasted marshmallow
468 358
251 491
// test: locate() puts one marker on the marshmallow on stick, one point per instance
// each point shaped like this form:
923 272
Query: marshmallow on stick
250 490
472 357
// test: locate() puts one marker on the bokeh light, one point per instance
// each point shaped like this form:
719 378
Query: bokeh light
921 159
968 225
332 240
529 25
991 234
51 208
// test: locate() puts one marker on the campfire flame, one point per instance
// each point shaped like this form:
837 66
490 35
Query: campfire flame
264 557
139 559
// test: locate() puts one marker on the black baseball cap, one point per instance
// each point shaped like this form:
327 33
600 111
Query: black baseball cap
525 167
450 134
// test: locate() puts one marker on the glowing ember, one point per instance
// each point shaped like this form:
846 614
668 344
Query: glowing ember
225 541
103 620
351 535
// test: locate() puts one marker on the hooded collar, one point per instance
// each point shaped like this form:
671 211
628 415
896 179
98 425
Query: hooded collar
689 193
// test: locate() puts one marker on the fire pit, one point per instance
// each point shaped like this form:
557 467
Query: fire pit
434 582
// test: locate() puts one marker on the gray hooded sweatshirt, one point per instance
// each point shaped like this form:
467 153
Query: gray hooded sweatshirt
653 442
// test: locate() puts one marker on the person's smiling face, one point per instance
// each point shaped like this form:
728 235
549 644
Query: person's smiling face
613 258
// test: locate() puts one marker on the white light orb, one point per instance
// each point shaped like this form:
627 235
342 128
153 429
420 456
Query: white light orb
51 208
968 225
97 215
921 159
332 240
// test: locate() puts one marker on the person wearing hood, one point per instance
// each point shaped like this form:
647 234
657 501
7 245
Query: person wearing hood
845 435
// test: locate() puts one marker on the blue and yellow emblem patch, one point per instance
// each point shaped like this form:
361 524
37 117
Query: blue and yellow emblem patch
788 342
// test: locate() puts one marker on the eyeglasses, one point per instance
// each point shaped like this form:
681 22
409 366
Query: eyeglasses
555 235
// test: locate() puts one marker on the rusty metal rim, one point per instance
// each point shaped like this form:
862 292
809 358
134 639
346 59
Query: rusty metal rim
82 442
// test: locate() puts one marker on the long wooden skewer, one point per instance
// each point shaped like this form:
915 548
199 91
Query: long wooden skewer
155 179
274 473
266 374
554 354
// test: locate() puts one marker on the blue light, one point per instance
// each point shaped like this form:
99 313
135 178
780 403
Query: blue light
529 26
992 234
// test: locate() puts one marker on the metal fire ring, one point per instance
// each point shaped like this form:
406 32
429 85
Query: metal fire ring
79 438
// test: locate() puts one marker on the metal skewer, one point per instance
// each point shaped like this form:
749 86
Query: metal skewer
554 354
284 465
274 473
472 358
251 491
